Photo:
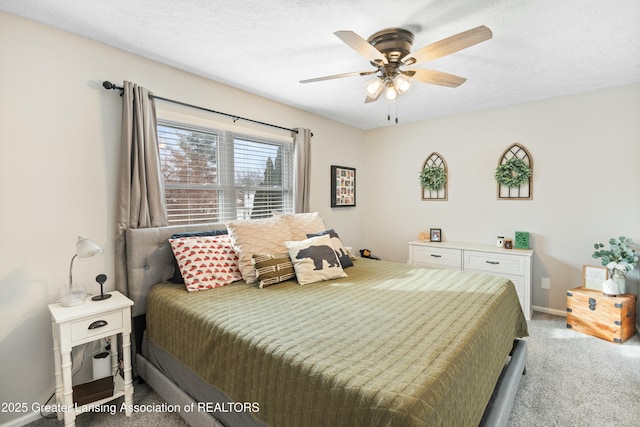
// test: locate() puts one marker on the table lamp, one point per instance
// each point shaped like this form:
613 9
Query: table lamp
74 295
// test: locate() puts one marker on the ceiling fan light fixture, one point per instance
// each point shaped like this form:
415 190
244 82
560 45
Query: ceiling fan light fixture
391 49
374 87
390 93
402 83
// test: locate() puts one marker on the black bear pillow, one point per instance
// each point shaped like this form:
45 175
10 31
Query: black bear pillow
338 247
314 260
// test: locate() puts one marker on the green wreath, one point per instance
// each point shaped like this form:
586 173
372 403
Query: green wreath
433 178
513 173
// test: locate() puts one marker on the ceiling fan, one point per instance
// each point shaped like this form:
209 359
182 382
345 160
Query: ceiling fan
389 51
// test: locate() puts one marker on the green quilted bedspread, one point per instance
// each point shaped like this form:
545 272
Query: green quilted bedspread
390 345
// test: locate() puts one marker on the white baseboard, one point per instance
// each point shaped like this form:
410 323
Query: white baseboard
25 419
562 313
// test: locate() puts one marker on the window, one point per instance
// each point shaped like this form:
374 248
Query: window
213 175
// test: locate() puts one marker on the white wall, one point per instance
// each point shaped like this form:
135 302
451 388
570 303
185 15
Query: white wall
59 133
586 155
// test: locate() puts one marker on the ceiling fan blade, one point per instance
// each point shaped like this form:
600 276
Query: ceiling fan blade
361 46
449 45
435 77
339 76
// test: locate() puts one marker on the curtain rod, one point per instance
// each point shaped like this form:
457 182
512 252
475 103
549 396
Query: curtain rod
108 85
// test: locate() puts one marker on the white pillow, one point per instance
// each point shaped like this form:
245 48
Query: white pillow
314 260
257 236
301 224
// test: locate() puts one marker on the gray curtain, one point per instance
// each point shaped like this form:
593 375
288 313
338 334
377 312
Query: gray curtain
302 169
141 202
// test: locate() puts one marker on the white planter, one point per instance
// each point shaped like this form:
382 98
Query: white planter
619 278
610 287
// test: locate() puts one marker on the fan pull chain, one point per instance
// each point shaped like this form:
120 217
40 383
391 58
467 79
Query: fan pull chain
389 111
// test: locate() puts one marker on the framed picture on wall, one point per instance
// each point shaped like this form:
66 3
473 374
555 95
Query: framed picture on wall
343 186
593 276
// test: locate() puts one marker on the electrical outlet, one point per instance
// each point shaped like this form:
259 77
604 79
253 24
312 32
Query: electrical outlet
545 283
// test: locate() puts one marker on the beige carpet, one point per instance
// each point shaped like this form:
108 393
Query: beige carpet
577 380
572 380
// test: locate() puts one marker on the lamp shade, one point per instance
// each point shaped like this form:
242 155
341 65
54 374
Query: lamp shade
402 83
374 87
390 93
86 248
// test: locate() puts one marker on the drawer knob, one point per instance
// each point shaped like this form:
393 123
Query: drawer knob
436 256
98 324
492 262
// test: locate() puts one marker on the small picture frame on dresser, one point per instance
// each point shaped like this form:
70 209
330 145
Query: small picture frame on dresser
435 234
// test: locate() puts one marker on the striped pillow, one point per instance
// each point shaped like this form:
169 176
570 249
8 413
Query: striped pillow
272 268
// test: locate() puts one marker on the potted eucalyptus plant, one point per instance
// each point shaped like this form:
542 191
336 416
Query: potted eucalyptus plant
619 260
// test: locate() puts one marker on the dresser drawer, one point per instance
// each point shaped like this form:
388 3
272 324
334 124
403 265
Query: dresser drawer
437 257
82 331
495 263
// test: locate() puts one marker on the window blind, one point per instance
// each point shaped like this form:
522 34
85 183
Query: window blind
215 175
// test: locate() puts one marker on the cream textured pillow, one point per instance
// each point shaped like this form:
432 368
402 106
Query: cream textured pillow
301 224
206 262
314 260
257 236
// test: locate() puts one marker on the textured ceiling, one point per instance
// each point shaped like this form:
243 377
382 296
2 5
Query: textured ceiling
540 48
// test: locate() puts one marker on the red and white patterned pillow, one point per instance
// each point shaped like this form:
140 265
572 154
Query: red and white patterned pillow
206 262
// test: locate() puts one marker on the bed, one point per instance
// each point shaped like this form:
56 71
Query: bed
388 345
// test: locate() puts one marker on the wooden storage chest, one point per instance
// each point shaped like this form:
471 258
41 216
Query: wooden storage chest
610 318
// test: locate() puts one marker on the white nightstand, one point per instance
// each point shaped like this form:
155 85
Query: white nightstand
83 323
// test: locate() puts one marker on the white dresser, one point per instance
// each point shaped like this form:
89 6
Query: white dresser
514 264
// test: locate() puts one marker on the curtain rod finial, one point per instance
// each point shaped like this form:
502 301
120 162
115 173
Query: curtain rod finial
108 85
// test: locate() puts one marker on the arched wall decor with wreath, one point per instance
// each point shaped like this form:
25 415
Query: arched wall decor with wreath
434 178
514 174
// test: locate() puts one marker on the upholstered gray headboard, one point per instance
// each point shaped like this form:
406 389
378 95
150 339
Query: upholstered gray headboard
150 259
